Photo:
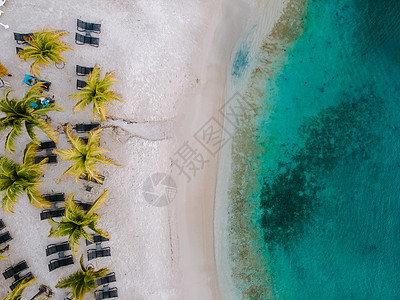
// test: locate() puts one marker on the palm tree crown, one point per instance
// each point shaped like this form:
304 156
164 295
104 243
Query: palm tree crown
45 47
75 221
97 92
16 179
16 294
85 157
82 281
19 113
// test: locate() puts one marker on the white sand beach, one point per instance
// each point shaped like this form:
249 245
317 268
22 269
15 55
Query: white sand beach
172 60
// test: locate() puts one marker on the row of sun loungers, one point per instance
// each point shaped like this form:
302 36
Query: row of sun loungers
96 253
29 276
106 294
12 271
109 278
84 39
60 248
48 145
60 262
83 71
54 198
88 28
96 239
81 128
15 272
56 248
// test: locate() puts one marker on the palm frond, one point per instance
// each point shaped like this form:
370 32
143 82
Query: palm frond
36 199
11 136
30 153
16 294
98 203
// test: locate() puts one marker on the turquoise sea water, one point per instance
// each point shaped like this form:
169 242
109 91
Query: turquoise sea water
328 203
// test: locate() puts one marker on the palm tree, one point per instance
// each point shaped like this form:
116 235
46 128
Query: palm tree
97 92
82 281
75 222
45 48
16 294
85 157
19 113
16 179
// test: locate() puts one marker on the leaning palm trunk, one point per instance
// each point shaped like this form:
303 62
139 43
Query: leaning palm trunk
84 158
16 179
82 281
76 221
97 92
19 113
45 49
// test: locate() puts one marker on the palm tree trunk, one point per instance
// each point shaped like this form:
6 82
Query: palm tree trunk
43 289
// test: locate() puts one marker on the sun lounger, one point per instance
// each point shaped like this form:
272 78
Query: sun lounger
54 198
88 27
97 238
85 206
29 276
15 270
106 294
5 237
82 71
85 177
55 248
48 145
52 158
60 262
31 80
86 127
106 279
52 213
2 225
21 38
80 84
84 39
95 253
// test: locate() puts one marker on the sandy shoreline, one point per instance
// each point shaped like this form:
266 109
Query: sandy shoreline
172 60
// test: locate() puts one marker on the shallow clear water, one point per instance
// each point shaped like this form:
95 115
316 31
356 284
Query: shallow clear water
327 201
